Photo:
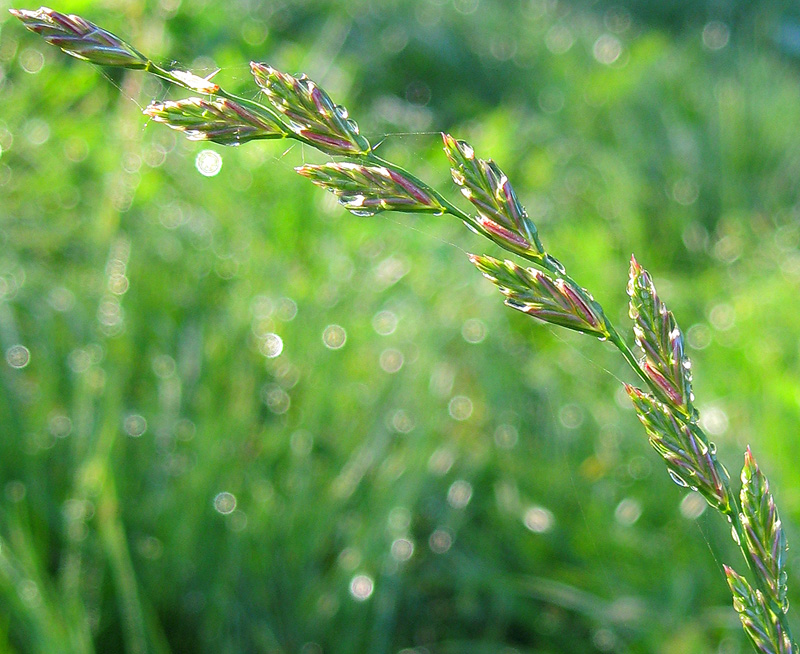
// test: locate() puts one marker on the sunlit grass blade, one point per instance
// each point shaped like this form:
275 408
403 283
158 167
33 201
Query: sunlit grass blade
367 190
556 301
689 457
661 340
311 112
78 37
220 120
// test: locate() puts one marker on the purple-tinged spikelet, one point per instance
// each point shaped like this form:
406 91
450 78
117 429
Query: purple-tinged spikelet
501 217
661 340
366 190
689 457
78 37
556 301
760 623
310 111
764 537
220 120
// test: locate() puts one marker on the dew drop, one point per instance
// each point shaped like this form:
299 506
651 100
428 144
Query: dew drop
341 112
557 265
134 425
277 400
440 541
391 360
460 408
693 506
384 322
362 213
473 330
31 60
735 536
538 519
678 479
712 448
459 494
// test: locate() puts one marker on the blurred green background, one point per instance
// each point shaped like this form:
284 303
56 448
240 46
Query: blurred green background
235 418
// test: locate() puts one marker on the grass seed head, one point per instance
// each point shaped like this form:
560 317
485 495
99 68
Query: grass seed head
661 340
690 460
501 217
764 536
220 120
366 190
310 111
556 301
78 37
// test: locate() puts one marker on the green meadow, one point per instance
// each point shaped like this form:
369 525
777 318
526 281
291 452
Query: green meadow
236 418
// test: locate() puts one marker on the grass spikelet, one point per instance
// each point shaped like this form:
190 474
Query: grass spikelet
220 120
763 531
689 457
661 340
500 214
78 37
760 623
311 112
366 190
531 291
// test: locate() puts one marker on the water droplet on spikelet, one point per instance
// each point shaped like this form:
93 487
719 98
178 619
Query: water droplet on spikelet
678 479
363 213
557 265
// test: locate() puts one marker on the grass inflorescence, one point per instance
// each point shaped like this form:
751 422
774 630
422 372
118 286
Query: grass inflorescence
297 108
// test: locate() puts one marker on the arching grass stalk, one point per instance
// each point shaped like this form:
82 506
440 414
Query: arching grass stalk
365 184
